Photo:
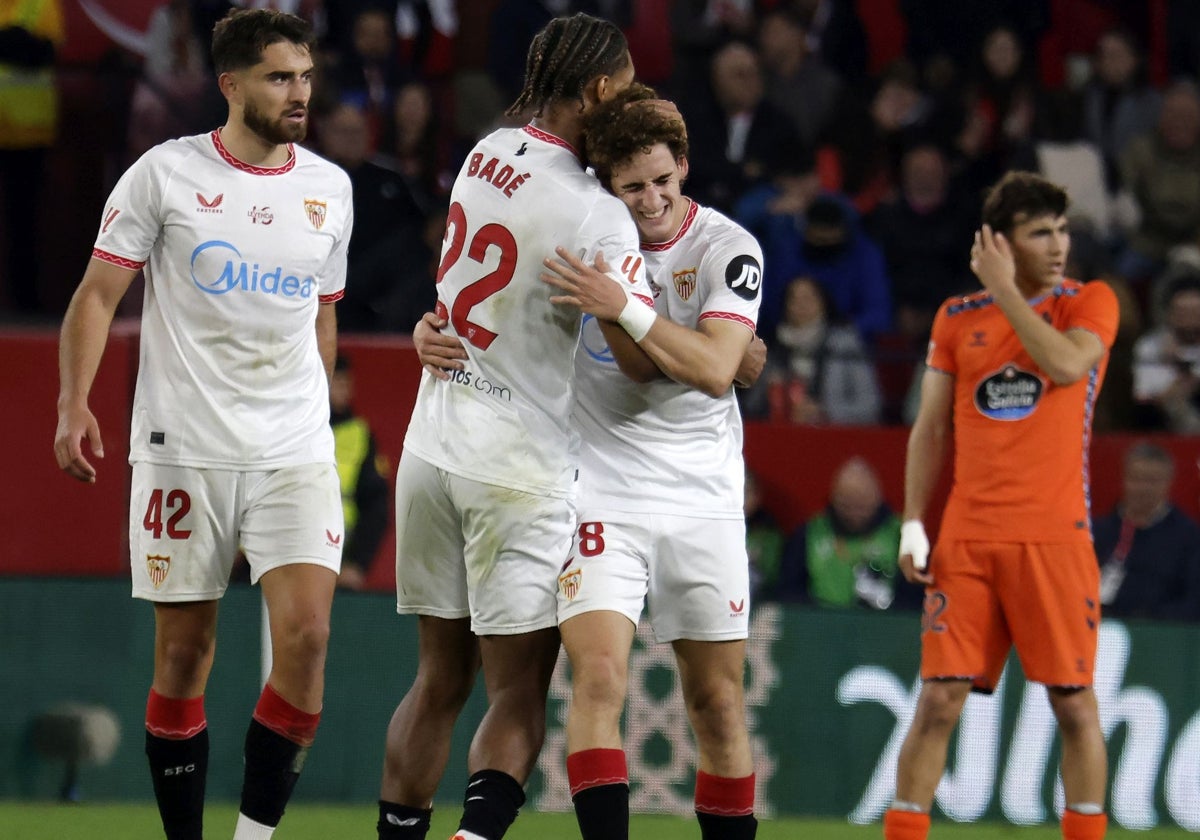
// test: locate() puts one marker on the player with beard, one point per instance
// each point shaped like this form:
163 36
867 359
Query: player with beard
242 239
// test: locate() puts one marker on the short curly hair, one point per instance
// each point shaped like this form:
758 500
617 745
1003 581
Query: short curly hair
632 122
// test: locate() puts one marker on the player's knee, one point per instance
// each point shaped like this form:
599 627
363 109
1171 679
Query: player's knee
716 709
940 704
1075 710
599 682
184 659
306 640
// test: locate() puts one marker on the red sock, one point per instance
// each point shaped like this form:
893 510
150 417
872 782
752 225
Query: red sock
724 797
174 718
593 768
284 719
1077 826
905 825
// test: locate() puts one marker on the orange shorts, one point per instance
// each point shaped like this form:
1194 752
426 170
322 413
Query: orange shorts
1044 599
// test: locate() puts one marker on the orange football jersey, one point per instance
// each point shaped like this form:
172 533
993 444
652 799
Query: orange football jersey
1020 441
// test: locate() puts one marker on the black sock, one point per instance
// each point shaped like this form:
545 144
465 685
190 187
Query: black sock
714 827
491 803
402 822
603 812
272 767
179 768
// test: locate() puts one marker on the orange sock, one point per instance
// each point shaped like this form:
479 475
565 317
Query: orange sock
905 825
1077 826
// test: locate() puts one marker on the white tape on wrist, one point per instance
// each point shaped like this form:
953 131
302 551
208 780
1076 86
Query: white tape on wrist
637 318
914 542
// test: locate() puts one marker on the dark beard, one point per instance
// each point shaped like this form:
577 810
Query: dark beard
276 132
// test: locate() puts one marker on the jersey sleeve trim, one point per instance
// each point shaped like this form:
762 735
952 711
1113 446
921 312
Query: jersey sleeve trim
123 262
332 297
728 316
646 299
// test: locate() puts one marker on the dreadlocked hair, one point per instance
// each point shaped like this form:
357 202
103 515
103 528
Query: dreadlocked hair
567 54
632 122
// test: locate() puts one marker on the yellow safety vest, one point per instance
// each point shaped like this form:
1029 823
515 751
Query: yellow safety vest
351 440
28 100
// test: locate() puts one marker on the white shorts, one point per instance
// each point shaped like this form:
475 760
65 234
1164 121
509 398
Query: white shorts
465 548
693 574
186 525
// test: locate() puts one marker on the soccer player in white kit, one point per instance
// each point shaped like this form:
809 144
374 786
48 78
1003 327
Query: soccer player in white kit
485 486
661 472
241 236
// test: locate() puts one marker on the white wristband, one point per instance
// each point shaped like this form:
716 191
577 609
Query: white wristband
637 318
914 542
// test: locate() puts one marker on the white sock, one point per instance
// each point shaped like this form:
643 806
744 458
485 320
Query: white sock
912 807
1089 809
248 829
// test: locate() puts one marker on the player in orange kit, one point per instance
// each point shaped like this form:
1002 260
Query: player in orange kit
1015 371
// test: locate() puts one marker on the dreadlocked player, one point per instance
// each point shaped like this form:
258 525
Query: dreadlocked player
485 487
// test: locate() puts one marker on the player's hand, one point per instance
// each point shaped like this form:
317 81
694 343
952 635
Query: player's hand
992 261
914 553
590 288
753 361
75 424
437 351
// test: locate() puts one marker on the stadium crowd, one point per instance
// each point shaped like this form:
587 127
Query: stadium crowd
852 139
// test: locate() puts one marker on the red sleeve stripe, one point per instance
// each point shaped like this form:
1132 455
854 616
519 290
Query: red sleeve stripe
133 265
729 316
332 298
649 301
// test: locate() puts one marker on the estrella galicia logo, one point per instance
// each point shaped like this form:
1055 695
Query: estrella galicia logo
218 268
743 276
594 342
1008 394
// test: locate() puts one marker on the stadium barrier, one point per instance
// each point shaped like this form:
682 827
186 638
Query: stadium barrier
830 694
55 526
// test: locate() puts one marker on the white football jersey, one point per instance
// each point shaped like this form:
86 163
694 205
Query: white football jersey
504 418
665 447
236 258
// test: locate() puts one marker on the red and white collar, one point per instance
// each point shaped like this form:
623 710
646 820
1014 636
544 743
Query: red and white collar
547 137
228 157
688 218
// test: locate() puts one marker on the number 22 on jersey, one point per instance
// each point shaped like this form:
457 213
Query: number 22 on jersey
488 236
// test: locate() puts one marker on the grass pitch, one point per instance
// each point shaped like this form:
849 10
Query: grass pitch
96 821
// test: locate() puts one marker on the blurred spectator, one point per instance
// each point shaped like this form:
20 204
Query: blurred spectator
825 371
387 217
1161 170
1118 104
699 27
1166 363
366 499
764 541
950 31
846 556
30 31
861 153
174 96
734 133
1148 549
1000 108
368 74
778 203
924 234
797 82
411 143
828 243
1115 410
835 33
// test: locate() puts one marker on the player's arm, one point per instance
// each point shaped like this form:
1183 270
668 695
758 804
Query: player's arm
1064 356
594 290
327 336
925 457
753 362
80 348
706 359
